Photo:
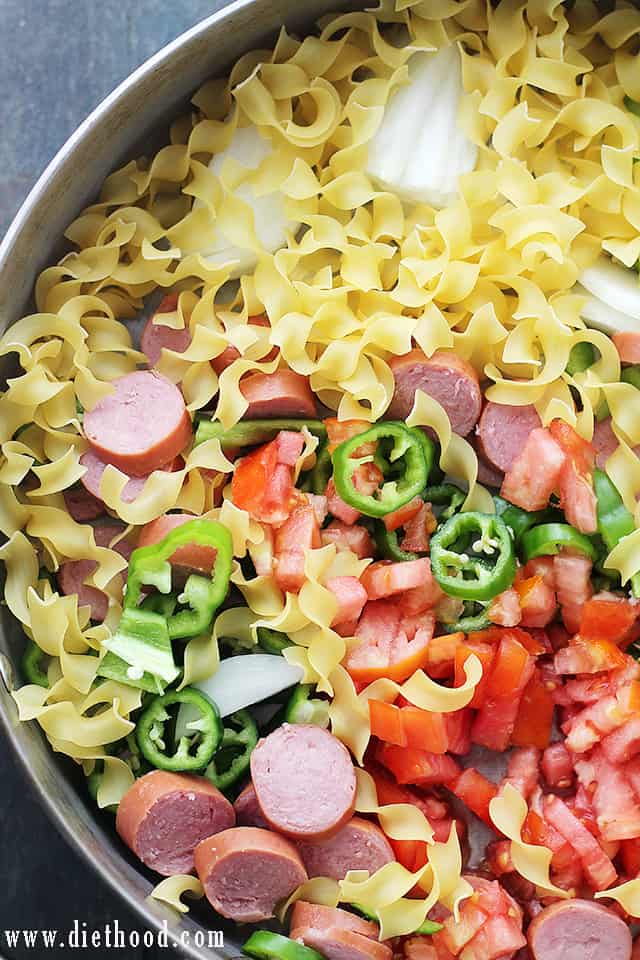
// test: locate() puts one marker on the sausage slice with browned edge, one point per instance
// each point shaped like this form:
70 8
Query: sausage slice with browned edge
503 430
283 393
579 930
446 377
336 934
141 425
72 574
246 872
304 780
164 816
92 479
157 336
359 845
247 808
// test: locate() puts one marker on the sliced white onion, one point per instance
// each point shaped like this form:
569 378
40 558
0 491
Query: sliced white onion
616 286
242 681
419 150
249 149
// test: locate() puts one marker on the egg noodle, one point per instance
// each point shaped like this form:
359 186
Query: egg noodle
366 277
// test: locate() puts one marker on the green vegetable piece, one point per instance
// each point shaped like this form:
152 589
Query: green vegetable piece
614 520
445 495
470 623
582 356
409 446
149 566
113 667
249 433
387 543
273 641
265 945
632 105
205 732
548 538
32 664
231 760
472 556
302 708
142 642
631 375
518 520
321 472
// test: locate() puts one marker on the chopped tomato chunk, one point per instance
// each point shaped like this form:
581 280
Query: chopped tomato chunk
485 653
505 609
534 720
191 556
338 508
582 656
417 532
401 516
535 473
263 485
523 770
386 723
297 535
387 647
340 430
608 619
354 538
597 867
577 495
557 766
475 791
510 674
411 765
537 602
384 579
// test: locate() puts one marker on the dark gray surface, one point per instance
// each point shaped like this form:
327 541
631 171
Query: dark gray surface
58 59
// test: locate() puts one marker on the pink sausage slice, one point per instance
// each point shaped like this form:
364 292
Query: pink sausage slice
336 934
191 557
503 430
248 812
227 357
141 425
73 573
487 475
304 780
359 845
82 504
157 337
96 467
628 346
283 393
605 442
246 872
164 816
446 377
579 930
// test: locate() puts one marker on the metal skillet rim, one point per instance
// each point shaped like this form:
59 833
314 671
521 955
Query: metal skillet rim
107 870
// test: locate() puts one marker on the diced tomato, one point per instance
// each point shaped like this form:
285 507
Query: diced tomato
557 766
354 538
386 723
402 516
535 473
456 934
577 496
420 948
384 579
505 609
630 856
573 586
297 535
338 508
597 867
608 619
537 602
617 809
340 430
558 636
385 650
351 597
441 655
412 854
498 856
499 938
411 765
319 505
458 727
425 729
539 567
423 597
534 720
263 486
523 770
485 653
512 669
624 743
418 530
475 791
582 656
290 444
593 723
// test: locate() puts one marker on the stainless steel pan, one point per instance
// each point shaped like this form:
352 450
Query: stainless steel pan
134 116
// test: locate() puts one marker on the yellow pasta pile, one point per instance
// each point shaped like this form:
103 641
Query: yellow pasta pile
364 279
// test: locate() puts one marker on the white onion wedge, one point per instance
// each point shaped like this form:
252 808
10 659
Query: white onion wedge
419 150
242 681
613 297
249 148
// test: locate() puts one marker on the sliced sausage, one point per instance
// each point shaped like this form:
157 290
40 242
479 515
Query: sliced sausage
336 934
82 504
359 845
228 355
487 475
191 556
579 930
96 467
283 393
628 346
164 816
248 812
503 430
246 871
140 426
73 573
605 442
446 377
305 781
157 337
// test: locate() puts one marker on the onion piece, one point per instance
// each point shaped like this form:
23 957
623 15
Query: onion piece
242 681
249 149
419 151
612 292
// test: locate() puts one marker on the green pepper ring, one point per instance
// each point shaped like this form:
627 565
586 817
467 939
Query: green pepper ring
181 760
548 538
488 581
246 738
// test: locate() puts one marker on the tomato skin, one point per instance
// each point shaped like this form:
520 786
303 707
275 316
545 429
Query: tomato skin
598 869
417 532
630 856
354 538
475 791
505 609
534 721
384 579
512 669
411 765
582 656
298 534
485 653
340 430
605 619
386 723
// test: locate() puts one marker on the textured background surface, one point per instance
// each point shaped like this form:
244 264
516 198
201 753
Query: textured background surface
58 59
